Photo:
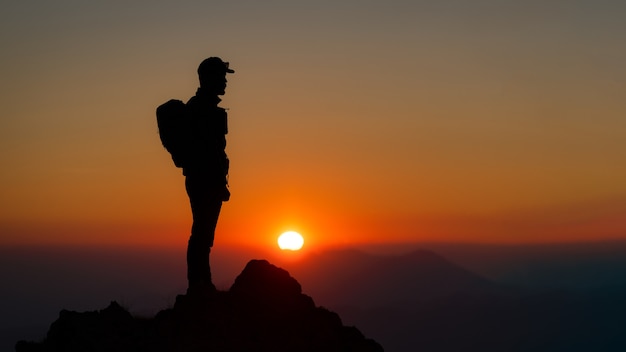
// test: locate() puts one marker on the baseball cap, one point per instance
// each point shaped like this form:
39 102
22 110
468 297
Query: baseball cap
214 65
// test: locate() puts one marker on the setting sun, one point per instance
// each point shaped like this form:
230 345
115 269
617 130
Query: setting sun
290 240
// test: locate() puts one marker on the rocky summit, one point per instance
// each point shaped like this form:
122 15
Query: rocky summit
264 310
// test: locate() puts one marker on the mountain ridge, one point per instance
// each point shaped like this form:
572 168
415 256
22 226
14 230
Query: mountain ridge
361 279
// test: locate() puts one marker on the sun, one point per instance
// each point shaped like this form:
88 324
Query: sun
290 240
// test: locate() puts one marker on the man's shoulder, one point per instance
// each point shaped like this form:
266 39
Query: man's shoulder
204 102
192 101
195 107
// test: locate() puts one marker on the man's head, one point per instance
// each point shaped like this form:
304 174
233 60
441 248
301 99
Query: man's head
212 74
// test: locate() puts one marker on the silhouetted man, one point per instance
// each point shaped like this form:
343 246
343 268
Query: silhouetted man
206 171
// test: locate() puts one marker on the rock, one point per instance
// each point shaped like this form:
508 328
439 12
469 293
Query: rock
264 287
264 310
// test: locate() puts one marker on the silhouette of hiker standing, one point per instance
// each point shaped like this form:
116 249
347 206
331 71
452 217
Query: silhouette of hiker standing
206 172
195 135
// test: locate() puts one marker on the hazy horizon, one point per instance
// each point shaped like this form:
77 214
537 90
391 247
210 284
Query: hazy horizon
45 280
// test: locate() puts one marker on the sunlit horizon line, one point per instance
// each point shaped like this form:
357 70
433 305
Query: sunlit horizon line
136 245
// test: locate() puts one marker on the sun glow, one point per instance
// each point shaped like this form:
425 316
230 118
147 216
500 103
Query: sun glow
290 240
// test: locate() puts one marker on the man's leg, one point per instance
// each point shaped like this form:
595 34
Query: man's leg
205 209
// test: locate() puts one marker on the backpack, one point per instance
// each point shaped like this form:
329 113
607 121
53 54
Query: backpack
175 130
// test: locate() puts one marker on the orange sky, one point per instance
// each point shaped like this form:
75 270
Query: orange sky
359 122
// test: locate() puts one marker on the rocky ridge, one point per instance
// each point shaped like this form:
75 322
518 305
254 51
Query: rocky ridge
264 310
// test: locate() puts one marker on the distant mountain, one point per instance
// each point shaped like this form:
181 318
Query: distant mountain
350 277
586 266
420 301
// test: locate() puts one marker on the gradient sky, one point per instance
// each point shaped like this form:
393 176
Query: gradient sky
350 121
